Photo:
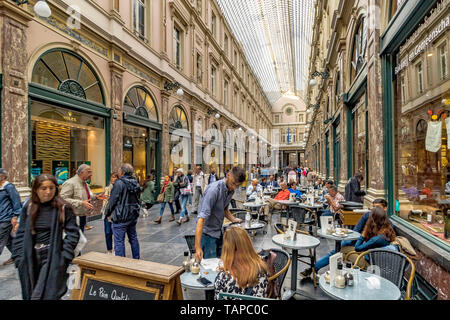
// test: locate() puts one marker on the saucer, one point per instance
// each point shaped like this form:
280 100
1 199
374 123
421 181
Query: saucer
340 235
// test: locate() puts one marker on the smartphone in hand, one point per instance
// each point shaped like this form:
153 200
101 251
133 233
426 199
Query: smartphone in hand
204 281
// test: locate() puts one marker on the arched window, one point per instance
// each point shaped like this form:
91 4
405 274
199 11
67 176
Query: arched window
67 72
178 119
358 48
138 101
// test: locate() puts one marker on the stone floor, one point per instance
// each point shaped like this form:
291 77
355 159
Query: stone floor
164 243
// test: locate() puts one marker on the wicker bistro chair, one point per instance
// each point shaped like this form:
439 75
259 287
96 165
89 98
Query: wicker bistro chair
235 296
190 240
281 266
280 229
392 265
306 218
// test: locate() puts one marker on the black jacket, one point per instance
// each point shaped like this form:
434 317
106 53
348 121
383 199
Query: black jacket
124 205
180 183
54 285
353 191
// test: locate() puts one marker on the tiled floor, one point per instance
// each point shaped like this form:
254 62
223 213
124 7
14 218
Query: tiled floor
164 243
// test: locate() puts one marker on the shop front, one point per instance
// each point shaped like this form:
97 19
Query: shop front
69 124
416 111
179 141
141 132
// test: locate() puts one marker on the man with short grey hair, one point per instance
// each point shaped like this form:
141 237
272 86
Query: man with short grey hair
123 208
76 191
10 207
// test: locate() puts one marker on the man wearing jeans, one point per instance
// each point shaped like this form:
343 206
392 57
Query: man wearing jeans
124 207
208 231
10 207
199 188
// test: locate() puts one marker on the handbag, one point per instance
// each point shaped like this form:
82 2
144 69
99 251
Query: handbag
82 241
160 197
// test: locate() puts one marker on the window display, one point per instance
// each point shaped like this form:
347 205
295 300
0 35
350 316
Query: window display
63 139
422 105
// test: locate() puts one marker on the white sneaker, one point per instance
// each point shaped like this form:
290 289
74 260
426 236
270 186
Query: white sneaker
110 253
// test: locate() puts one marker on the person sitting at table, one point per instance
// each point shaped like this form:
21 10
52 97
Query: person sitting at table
293 189
253 189
333 198
280 180
273 204
318 184
242 271
377 233
272 182
263 182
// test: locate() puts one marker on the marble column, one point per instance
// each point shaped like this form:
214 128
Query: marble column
375 108
14 111
117 115
165 141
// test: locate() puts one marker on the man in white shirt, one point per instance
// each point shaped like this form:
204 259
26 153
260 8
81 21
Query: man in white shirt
199 188
253 189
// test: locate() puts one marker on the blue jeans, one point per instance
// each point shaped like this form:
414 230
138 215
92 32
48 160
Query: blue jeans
108 234
163 206
183 203
190 198
119 230
83 221
211 247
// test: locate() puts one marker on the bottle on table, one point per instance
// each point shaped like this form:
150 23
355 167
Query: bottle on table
186 262
248 218
195 268
339 279
349 280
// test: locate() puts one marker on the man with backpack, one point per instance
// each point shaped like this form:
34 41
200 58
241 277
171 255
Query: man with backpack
123 208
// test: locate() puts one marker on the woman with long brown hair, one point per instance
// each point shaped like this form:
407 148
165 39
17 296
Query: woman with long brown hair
243 270
40 252
377 232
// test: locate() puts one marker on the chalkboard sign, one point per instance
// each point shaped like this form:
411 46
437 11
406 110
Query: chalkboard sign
98 290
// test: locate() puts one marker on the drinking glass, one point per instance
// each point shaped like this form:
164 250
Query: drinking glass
356 275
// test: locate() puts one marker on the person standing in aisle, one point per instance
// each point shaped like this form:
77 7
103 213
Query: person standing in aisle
353 190
209 227
148 194
176 195
212 176
183 185
107 222
77 192
10 207
167 190
123 208
40 252
191 179
199 188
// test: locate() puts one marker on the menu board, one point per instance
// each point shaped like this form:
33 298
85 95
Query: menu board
100 290
36 168
60 170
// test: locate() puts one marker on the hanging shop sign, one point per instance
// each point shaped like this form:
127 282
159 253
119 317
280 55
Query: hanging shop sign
443 25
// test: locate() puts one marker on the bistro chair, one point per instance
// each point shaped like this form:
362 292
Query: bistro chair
305 218
393 266
190 240
281 266
235 296
280 229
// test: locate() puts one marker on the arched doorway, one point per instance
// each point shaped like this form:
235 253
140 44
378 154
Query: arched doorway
180 139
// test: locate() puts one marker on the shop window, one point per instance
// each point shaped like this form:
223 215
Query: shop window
225 44
443 61
359 139
63 139
139 17
138 101
179 140
68 73
277 118
337 90
403 89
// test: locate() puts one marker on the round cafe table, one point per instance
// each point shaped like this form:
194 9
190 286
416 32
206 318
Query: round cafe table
189 280
302 242
353 235
362 289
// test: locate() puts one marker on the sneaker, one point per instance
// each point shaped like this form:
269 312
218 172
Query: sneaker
306 273
9 261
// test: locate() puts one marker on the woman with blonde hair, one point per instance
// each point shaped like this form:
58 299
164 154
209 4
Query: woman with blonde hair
243 271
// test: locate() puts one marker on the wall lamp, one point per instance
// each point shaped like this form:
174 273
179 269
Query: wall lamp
212 111
323 75
41 7
170 86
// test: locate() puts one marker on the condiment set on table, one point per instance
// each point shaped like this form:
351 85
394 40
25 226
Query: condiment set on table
341 275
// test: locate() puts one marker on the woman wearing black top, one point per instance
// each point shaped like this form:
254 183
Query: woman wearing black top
40 252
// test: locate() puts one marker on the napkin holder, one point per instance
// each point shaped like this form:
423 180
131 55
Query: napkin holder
334 259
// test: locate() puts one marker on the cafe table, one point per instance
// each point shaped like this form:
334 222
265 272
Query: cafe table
189 280
352 235
301 242
363 289
254 226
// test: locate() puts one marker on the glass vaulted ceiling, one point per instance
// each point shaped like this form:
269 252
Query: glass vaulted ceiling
276 37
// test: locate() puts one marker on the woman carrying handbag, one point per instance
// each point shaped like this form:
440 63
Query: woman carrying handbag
166 196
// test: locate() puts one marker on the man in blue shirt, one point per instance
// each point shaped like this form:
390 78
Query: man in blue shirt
10 207
293 189
272 182
209 228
